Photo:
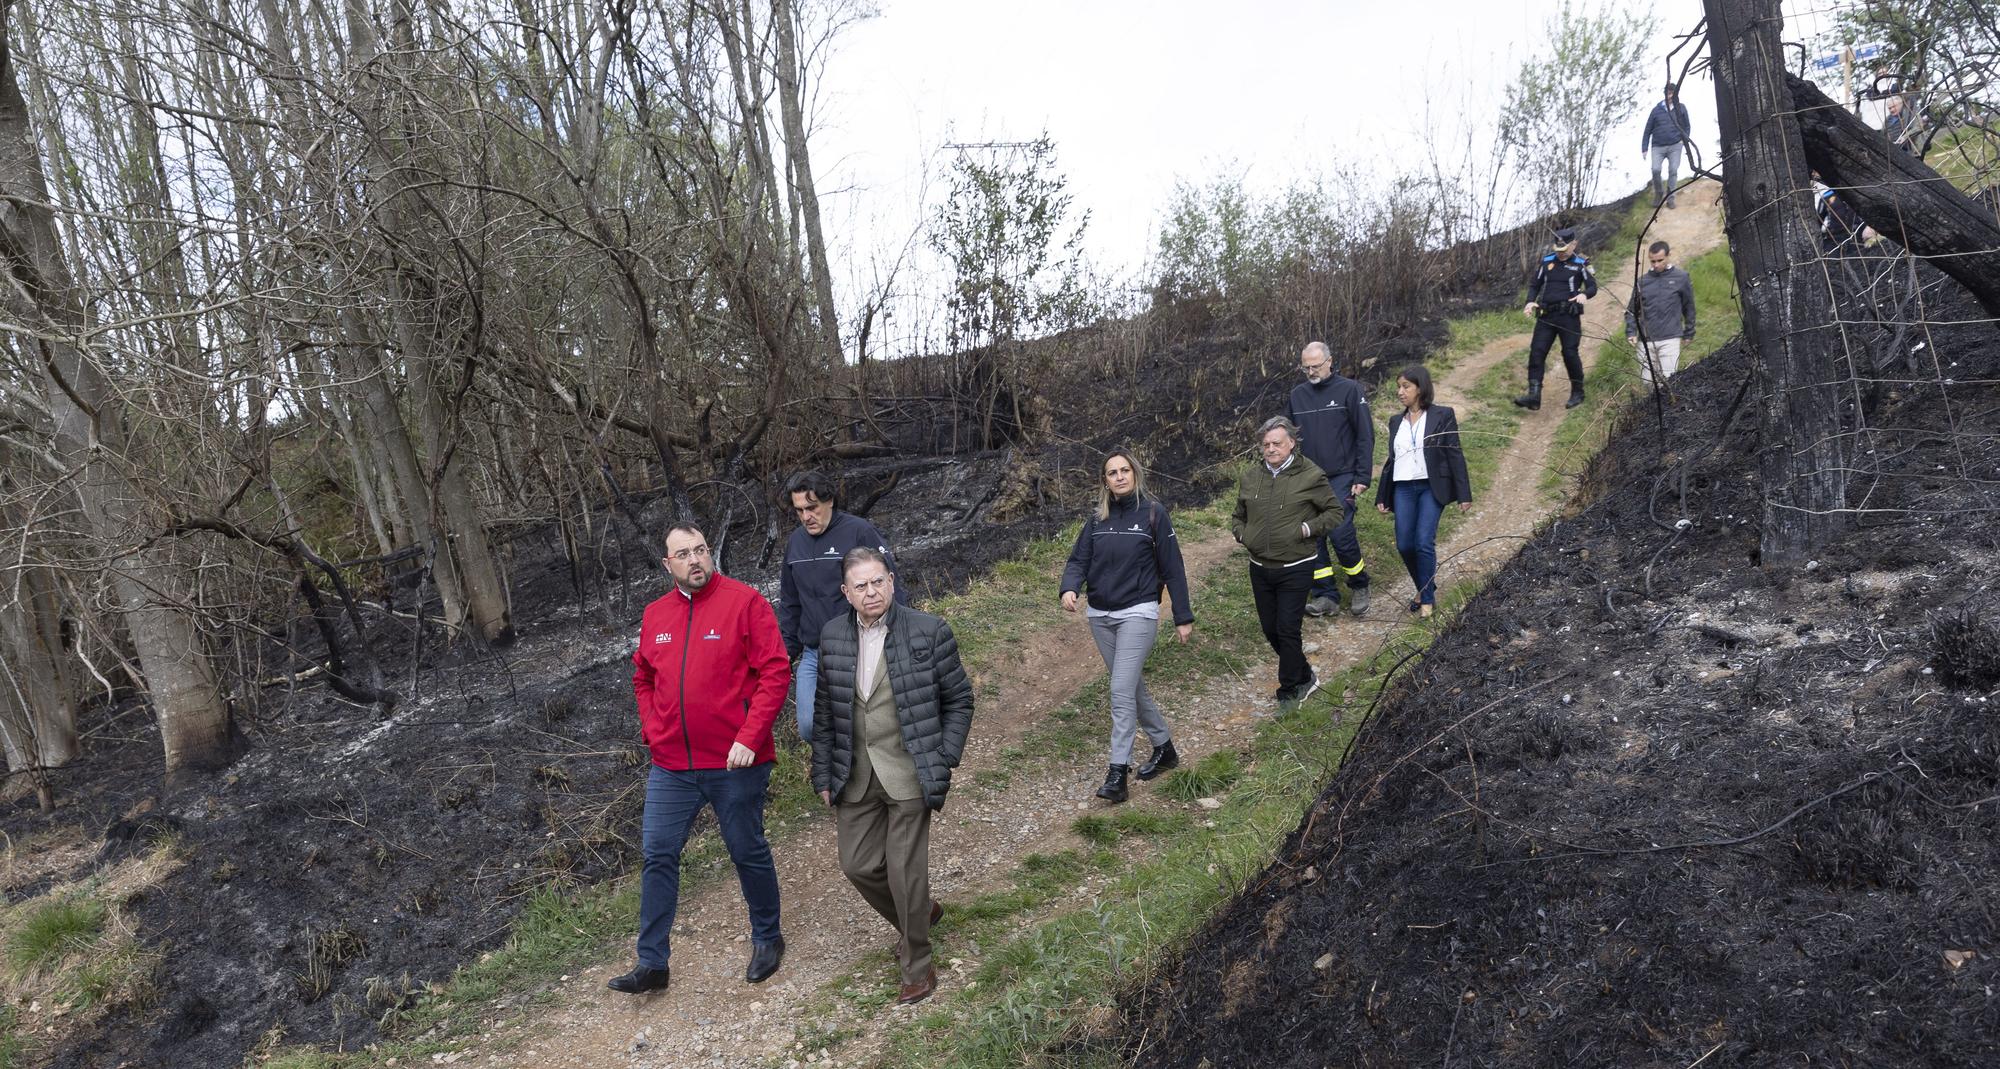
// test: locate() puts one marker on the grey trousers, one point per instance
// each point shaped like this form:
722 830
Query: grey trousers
1671 156
885 852
1125 645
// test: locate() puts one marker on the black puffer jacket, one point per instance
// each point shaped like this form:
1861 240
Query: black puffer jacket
933 699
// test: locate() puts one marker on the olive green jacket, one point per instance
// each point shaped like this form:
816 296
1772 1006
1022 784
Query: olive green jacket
1270 508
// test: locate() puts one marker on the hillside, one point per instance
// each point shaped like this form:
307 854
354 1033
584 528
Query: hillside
1646 804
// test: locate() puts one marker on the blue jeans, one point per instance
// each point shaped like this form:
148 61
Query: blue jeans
672 801
1417 513
807 678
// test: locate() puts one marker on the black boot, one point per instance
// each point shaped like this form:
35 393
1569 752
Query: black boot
1532 400
639 981
1114 784
1163 758
1659 193
1575 394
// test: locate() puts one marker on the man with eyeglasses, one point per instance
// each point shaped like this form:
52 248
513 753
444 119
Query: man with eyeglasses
710 676
1661 314
809 592
895 710
1336 434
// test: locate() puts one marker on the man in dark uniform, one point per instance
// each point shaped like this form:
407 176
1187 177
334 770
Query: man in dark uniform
1563 282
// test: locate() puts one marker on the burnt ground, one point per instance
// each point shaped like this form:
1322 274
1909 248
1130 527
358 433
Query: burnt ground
1645 804
354 855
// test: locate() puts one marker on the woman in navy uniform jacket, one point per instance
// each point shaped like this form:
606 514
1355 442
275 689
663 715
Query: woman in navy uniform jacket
1425 471
1125 553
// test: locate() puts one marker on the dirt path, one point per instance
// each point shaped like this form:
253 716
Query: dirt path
710 1017
1491 535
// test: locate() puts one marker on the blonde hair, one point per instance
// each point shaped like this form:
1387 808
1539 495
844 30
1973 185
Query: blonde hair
1104 490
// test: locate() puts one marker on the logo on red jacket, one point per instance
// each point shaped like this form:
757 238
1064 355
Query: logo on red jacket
663 638
711 635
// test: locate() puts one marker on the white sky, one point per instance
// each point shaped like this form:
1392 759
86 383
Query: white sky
1137 93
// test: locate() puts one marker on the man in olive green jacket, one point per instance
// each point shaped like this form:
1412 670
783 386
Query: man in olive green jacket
1284 505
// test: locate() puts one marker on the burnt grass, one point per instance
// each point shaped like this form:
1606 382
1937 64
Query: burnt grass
1644 803
354 855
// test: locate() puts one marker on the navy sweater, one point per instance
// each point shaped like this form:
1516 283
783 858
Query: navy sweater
1334 429
1124 559
809 584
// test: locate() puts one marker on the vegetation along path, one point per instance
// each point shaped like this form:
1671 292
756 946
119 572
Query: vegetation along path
1029 775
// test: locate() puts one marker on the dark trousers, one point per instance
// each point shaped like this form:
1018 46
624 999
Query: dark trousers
1569 328
673 799
1346 545
1417 514
885 851
1281 595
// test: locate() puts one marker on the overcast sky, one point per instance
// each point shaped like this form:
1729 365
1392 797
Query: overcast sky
1137 94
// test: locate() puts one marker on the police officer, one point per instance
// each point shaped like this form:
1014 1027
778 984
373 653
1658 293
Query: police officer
1563 282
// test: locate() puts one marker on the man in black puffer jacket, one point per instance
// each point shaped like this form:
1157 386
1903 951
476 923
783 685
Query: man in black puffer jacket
893 710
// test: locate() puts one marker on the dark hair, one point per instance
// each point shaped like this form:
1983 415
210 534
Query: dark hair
1659 246
683 526
1420 377
809 482
1674 89
858 556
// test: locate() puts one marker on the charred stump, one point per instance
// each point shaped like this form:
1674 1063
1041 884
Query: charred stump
1786 297
1899 195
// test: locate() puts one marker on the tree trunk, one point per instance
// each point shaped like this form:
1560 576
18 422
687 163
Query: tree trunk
1900 196
1787 307
791 111
37 695
196 728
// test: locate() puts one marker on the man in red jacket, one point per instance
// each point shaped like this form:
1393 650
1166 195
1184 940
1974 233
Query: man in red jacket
710 676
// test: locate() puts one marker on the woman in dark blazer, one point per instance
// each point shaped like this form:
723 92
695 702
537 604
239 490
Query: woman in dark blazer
1425 472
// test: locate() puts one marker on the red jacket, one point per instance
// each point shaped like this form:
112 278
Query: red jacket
710 671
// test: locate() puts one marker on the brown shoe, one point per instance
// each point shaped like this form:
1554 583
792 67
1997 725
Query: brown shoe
937 910
911 994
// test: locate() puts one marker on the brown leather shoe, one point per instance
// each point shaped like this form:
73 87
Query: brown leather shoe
911 994
937 910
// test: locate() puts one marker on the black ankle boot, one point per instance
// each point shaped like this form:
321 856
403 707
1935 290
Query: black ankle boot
1575 394
1532 400
1114 784
1163 758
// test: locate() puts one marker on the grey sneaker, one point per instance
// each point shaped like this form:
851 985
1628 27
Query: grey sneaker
1307 691
1357 600
1321 606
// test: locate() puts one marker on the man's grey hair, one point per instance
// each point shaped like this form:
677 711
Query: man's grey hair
1278 423
859 556
1317 348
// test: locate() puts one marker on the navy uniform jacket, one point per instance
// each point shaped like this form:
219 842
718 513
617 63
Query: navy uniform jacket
1335 431
1557 280
809 584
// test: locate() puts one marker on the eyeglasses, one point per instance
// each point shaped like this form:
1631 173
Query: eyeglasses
690 553
870 586
1311 368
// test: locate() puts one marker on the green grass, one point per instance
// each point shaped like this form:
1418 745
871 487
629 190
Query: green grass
1615 378
54 931
1207 778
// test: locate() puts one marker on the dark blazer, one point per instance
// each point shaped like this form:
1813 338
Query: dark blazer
1443 459
933 699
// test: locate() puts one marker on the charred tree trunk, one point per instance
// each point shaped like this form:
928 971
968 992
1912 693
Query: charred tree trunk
1900 196
88 416
1787 306
791 109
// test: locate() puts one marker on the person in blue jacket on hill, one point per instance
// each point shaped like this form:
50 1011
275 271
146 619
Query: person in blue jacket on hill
1124 554
809 592
1666 132
1335 432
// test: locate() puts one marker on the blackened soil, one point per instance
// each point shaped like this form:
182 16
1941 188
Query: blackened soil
1645 805
354 856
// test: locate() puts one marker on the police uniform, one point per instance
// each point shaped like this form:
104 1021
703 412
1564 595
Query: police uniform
1556 281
